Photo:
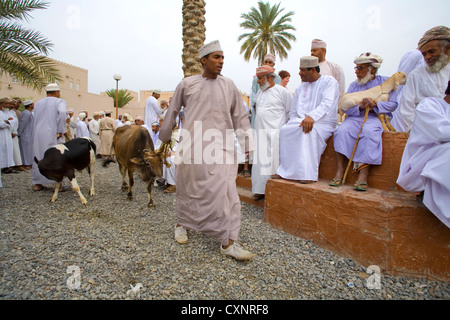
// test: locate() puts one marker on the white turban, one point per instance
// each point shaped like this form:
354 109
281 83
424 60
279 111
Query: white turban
209 48
318 44
82 116
52 87
371 58
28 102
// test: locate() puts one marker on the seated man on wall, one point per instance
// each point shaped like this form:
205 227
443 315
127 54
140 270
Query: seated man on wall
425 165
313 118
426 81
370 147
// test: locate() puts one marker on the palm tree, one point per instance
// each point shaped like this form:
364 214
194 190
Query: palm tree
193 35
125 97
268 35
22 51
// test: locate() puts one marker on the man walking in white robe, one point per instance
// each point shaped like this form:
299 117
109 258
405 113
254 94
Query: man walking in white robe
82 128
25 133
152 109
425 165
426 81
313 118
72 122
207 197
50 116
8 109
94 130
6 142
273 103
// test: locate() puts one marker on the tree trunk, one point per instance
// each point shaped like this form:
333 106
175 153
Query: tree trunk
193 35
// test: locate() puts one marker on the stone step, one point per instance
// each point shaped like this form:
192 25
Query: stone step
389 229
246 196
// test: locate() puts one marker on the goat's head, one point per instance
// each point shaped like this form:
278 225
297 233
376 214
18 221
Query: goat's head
400 79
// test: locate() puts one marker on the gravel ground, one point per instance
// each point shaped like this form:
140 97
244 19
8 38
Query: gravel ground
116 243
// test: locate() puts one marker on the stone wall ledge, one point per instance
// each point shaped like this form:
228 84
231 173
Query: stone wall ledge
389 229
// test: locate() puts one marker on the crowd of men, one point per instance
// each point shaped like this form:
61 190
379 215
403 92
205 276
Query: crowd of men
292 131
42 125
289 136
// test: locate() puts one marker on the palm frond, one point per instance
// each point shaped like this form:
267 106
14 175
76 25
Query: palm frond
23 52
124 97
20 9
14 38
33 71
270 32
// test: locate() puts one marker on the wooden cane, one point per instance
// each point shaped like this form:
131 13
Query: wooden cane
356 146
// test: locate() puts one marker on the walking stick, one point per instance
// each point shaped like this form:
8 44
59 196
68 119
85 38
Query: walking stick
356 146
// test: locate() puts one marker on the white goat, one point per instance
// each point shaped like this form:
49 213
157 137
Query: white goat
379 94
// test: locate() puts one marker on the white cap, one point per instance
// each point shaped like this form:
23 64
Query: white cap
52 87
209 48
318 44
309 62
28 102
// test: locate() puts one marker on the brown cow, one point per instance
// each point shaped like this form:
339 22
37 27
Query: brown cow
135 152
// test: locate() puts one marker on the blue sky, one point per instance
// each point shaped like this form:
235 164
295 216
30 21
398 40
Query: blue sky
142 40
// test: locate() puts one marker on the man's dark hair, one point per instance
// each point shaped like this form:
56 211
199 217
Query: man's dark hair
207 57
317 69
447 92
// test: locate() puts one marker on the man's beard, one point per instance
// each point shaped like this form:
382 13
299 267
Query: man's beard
366 79
265 86
440 64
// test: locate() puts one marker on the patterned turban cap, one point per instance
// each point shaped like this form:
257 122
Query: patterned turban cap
437 33
371 58
264 70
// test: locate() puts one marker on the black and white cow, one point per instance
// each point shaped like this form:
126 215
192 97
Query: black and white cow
62 161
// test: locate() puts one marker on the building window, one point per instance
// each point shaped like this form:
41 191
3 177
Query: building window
14 78
71 85
78 86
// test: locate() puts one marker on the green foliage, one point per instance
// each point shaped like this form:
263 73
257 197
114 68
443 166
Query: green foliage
23 52
125 97
268 35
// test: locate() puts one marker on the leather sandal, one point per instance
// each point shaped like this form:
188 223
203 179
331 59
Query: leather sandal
336 183
361 186
258 197
247 174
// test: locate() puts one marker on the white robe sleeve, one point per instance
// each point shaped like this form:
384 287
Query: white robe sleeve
328 92
434 125
408 102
